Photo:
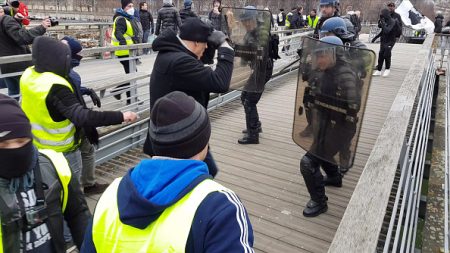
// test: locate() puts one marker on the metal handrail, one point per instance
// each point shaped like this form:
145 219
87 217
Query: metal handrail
361 224
447 157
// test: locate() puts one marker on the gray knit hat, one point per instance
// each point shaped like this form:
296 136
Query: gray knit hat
179 126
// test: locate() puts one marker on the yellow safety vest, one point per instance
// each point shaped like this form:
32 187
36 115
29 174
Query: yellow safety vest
167 234
128 35
47 134
288 22
64 173
312 23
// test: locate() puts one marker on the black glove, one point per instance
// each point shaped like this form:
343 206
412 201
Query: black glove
373 40
95 99
216 38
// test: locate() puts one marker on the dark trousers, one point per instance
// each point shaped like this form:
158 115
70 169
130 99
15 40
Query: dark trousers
126 67
13 85
212 167
310 169
249 101
385 55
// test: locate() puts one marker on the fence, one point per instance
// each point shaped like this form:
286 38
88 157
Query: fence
400 148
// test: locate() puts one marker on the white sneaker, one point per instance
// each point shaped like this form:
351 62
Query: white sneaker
386 73
376 73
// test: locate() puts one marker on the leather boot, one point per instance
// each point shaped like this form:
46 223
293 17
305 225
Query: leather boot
252 137
333 181
314 208
259 129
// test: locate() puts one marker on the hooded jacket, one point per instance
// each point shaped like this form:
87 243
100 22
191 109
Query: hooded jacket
387 24
168 17
220 224
62 103
14 40
187 12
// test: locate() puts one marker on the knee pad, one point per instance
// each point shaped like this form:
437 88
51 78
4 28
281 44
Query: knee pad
307 166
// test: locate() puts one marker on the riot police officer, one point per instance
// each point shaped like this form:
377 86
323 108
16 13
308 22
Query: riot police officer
332 85
256 39
328 9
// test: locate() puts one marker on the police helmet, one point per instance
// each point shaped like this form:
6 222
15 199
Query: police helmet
334 3
349 25
338 27
328 47
248 13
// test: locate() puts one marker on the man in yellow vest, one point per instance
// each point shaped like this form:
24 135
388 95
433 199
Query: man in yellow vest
37 190
50 102
125 32
170 203
312 18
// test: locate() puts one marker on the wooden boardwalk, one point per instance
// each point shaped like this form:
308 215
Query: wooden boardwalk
266 176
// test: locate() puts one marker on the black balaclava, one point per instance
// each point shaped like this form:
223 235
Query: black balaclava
14 162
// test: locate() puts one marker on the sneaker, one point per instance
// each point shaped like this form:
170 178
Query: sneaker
386 73
95 189
376 73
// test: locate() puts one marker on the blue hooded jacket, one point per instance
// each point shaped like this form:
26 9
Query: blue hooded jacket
221 223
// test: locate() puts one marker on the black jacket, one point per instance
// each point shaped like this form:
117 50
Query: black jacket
219 22
297 21
168 17
76 214
187 13
178 69
147 21
387 25
14 40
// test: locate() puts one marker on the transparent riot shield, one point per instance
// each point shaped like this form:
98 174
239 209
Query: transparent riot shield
332 91
249 32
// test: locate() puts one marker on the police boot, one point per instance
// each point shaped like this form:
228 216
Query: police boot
314 208
335 181
251 137
259 130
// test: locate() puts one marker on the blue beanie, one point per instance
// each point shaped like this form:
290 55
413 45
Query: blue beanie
75 47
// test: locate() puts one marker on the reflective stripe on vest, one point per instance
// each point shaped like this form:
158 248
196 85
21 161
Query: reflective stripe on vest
64 174
168 233
128 35
312 23
47 134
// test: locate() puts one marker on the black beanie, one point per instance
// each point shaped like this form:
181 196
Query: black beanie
193 29
13 121
179 126
125 3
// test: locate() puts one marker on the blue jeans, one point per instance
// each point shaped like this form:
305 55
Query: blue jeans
13 85
145 40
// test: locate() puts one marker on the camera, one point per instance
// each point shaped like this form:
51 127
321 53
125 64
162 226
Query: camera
35 216
53 21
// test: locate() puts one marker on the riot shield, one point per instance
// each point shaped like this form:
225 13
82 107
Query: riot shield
249 33
332 91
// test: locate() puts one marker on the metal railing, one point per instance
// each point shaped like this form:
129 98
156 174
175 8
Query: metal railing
402 229
401 145
447 157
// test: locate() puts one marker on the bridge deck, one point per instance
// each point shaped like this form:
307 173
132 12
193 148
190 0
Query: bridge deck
267 177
